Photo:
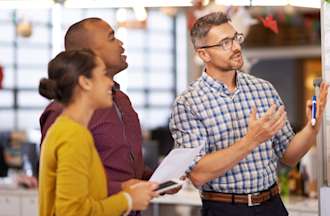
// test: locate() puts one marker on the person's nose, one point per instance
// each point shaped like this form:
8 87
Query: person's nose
120 42
236 46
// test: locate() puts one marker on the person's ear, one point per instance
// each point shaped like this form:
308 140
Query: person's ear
203 54
85 83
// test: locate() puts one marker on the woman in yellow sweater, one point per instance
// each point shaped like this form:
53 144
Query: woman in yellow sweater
72 178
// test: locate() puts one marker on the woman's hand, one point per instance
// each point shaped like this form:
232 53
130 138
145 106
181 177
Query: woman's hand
141 194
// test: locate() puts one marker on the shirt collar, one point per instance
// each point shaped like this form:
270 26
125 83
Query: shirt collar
115 87
220 87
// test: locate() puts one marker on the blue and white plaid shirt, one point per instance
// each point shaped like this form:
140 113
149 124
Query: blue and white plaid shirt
207 113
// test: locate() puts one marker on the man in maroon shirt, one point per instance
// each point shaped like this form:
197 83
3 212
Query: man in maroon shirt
116 130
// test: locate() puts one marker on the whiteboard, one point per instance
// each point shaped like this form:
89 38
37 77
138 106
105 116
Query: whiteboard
325 40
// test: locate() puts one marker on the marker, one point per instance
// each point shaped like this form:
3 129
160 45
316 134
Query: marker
314 110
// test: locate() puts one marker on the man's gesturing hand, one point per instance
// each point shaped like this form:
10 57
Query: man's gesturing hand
262 129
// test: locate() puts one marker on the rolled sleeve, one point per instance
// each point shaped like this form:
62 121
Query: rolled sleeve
284 136
187 130
282 139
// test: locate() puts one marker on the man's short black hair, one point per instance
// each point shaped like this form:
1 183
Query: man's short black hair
75 33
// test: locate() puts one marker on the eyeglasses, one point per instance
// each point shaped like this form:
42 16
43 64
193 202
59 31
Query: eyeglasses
227 43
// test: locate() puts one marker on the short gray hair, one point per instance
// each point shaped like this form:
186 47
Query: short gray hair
203 25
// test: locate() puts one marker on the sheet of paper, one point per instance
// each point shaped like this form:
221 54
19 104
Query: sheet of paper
175 164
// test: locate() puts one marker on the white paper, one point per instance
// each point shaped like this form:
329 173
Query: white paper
175 164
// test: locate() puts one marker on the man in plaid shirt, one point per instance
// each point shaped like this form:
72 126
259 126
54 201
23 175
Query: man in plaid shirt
241 121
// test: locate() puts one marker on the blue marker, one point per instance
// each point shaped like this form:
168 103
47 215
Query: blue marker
314 110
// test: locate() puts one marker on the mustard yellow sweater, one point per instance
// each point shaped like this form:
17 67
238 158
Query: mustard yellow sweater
72 178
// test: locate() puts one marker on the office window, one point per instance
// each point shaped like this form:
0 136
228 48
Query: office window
7 99
7 119
24 60
149 80
152 70
6 52
9 75
29 77
9 30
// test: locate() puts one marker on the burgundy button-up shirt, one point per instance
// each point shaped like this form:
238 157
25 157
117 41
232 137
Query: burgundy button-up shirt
117 137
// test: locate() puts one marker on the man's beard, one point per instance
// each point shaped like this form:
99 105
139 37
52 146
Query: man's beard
232 67
235 66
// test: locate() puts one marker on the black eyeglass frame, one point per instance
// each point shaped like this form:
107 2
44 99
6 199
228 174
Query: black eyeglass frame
236 38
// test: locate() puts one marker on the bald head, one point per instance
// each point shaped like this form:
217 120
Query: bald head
97 35
79 35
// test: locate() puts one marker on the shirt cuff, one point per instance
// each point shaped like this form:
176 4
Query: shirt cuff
129 203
